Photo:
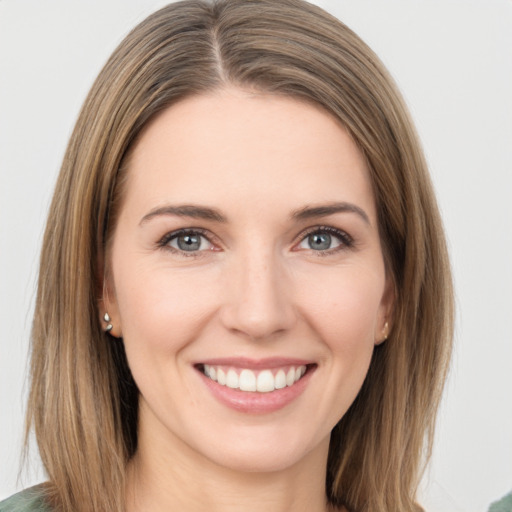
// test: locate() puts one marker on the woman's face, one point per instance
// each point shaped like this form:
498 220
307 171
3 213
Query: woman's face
246 255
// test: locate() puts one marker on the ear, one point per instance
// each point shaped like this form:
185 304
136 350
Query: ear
108 309
384 322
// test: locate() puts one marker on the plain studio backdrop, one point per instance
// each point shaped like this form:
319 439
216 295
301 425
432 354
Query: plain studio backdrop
452 60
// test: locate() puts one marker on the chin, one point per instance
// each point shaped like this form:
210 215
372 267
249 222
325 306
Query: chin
257 463
267 454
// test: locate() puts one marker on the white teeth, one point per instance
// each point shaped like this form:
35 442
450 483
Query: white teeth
264 382
248 380
290 377
232 379
221 377
280 382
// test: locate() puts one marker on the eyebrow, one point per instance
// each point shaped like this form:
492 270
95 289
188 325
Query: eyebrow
185 210
206 213
309 212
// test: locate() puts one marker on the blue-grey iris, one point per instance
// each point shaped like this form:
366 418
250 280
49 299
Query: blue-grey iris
189 242
319 241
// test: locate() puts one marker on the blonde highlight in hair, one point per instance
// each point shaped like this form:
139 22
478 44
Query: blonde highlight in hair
83 400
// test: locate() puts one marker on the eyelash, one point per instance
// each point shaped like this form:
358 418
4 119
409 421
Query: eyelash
346 241
163 243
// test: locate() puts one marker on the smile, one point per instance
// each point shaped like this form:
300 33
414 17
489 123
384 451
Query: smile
256 386
261 381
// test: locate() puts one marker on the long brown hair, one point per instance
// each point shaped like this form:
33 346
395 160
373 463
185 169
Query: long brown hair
83 401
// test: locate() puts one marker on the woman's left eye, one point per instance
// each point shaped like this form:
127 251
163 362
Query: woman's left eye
325 239
186 242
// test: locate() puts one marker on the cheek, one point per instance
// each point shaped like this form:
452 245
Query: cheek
344 314
160 309
345 310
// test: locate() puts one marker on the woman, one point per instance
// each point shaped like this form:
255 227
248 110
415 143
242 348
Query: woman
244 297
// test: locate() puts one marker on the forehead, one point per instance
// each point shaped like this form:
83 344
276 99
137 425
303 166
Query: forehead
241 148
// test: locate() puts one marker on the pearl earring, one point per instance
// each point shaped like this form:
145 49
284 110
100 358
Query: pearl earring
386 331
109 326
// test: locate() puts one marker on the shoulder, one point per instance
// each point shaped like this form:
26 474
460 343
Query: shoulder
29 500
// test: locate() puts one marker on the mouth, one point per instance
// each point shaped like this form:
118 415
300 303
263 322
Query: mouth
263 380
256 386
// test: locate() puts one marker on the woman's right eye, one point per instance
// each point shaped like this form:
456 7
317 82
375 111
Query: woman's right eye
188 241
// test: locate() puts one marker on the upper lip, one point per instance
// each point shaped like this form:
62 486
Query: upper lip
255 364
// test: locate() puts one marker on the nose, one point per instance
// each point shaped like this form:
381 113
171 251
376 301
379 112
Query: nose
259 295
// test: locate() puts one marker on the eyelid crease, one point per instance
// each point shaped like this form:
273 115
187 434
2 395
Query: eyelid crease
328 229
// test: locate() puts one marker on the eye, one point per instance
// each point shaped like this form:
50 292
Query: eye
189 241
325 239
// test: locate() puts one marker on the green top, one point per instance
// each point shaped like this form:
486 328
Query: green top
29 500
504 505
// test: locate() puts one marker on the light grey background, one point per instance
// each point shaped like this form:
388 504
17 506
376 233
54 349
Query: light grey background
453 62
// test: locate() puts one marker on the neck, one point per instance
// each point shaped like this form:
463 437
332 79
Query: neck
176 477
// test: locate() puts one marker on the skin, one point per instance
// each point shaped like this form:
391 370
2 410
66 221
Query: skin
256 288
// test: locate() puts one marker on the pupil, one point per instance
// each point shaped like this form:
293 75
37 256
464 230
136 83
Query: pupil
320 241
189 242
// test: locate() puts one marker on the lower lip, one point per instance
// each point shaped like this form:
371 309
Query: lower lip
254 402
